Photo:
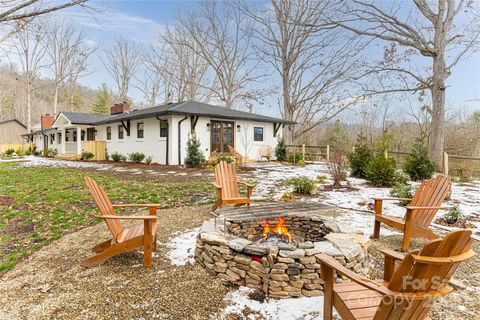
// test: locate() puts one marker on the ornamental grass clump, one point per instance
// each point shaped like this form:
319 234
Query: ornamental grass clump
453 215
86 155
301 185
117 156
402 190
136 157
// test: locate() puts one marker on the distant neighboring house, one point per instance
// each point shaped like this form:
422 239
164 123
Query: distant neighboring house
162 132
11 131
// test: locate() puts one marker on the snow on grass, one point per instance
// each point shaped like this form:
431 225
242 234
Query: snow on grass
270 176
182 248
355 203
466 196
292 309
57 163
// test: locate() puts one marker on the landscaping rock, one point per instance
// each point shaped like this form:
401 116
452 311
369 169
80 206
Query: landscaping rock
296 254
327 248
238 244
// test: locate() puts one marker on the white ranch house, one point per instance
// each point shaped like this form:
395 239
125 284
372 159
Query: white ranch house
162 132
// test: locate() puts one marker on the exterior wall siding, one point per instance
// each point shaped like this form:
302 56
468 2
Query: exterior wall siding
155 146
151 144
10 133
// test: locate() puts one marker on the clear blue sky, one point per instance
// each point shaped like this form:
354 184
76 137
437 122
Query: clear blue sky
142 20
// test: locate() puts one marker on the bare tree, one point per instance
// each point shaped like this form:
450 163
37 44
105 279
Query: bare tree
425 29
316 64
183 69
64 42
11 10
30 49
15 14
150 81
219 33
122 62
78 68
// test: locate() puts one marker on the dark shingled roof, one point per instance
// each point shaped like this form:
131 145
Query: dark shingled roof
85 118
11 120
188 108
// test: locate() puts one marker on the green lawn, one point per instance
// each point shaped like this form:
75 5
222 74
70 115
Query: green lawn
50 202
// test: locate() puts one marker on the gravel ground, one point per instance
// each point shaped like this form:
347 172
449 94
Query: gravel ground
51 284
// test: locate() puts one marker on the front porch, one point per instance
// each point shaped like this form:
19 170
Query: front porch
73 139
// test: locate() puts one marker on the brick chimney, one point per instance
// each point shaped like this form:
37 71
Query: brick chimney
47 121
118 108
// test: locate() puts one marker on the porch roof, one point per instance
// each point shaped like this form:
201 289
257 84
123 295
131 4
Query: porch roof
84 118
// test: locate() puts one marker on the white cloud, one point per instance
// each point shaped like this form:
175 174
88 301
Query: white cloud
111 24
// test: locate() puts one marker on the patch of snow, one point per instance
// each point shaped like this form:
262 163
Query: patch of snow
57 163
182 248
356 203
292 309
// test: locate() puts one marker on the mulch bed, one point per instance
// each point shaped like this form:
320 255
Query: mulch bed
6 201
462 223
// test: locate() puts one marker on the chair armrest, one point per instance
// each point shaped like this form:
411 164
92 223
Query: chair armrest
127 217
337 266
393 254
216 185
135 205
391 198
246 184
417 208
378 287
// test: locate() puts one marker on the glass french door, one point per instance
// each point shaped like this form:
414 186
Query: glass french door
221 136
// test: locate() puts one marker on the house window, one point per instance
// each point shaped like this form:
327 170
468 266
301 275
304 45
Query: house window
257 134
75 136
163 128
109 133
66 136
59 137
52 138
120 132
140 130
83 135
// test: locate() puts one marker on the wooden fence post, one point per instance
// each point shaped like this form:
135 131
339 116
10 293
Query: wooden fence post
445 163
303 152
328 153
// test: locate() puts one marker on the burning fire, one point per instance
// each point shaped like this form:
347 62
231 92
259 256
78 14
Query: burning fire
280 230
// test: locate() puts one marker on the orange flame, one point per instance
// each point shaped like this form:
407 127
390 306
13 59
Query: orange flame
266 229
280 229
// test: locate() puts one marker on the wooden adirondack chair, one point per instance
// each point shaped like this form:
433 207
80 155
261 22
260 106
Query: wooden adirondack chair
227 186
123 240
405 293
420 211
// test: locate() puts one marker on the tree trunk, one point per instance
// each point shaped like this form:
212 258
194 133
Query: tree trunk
72 95
29 107
55 100
439 74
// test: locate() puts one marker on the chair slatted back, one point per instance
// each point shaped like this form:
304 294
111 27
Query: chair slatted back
104 205
416 277
226 177
431 193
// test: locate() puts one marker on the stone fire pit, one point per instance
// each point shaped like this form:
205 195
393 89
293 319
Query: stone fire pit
231 246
